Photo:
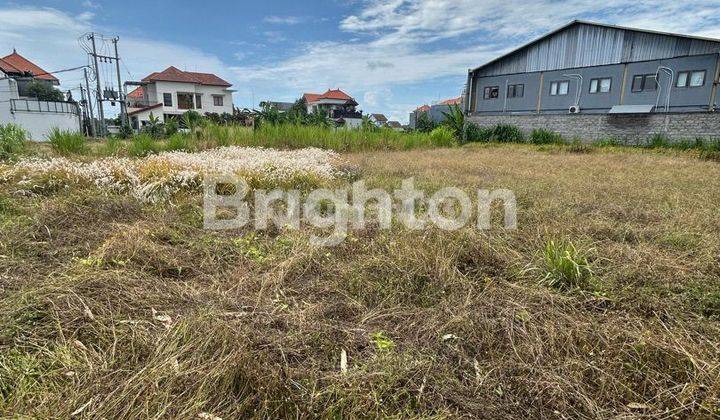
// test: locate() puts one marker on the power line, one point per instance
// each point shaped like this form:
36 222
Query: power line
50 72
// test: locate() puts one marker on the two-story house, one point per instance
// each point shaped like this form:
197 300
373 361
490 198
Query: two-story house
19 104
172 92
337 105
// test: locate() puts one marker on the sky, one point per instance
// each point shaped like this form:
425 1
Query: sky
390 55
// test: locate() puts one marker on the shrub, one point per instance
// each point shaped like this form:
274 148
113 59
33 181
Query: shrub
566 268
544 136
503 133
154 128
125 132
506 133
67 142
479 134
442 136
142 145
423 123
12 140
171 127
44 91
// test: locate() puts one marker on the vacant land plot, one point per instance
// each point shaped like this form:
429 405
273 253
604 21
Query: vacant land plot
114 307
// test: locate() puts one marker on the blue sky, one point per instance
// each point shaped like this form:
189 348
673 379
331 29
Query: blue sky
391 55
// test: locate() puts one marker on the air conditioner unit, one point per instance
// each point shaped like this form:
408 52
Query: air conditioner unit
575 109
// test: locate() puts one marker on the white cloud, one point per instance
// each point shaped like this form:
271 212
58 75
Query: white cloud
90 4
282 20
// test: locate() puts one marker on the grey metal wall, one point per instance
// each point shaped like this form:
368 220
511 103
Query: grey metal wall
583 45
681 99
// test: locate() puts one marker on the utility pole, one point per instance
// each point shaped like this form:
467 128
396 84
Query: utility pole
123 111
84 113
101 113
89 104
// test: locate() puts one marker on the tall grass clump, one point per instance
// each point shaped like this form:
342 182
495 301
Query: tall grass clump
142 145
609 142
112 147
658 141
295 136
443 137
566 267
501 133
177 142
66 142
545 136
12 140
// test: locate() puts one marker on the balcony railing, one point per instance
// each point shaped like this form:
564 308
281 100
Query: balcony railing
341 113
33 105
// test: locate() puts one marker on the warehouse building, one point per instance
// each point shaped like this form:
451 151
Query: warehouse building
595 81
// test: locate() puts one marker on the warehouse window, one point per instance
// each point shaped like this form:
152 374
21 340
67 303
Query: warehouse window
601 85
691 78
644 83
515 91
491 92
559 88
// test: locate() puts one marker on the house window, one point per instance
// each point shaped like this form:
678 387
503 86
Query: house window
167 99
644 83
601 85
198 101
491 92
218 100
559 88
690 79
185 100
515 91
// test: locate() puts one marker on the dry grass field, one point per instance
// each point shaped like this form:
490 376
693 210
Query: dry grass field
111 308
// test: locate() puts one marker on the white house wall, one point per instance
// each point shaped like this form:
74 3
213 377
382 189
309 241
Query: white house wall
37 124
206 92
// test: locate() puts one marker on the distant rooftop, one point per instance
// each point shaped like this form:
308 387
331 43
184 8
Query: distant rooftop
173 74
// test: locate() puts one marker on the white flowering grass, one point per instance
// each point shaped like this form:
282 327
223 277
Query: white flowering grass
158 177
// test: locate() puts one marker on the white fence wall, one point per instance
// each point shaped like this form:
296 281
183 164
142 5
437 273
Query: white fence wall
38 118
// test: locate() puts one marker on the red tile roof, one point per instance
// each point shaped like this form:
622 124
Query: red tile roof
311 97
173 74
144 109
137 93
453 101
7 67
336 94
22 64
424 108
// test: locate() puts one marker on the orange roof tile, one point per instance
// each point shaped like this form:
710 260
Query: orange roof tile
24 65
173 74
453 101
137 93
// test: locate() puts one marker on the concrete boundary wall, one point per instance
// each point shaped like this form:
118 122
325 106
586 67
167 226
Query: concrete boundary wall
632 129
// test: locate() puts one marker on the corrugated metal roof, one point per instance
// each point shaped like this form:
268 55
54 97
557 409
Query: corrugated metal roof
583 44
